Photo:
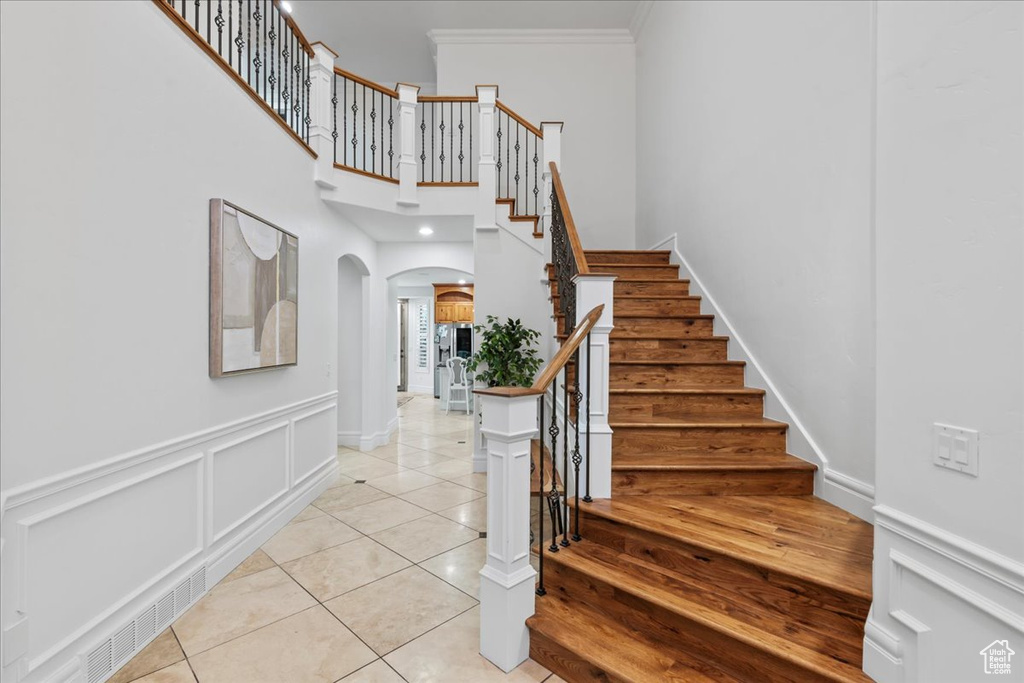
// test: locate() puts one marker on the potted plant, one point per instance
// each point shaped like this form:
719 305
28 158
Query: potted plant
506 354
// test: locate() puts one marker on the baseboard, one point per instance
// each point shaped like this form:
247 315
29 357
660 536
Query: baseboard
425 389
939 599
378 439
854 496
349 439
139 526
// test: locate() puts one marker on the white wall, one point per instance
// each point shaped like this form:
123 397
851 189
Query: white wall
754 149
122 459
949 556
590 86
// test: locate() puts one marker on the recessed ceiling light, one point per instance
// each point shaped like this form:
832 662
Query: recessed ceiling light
426 231
286 6
462 282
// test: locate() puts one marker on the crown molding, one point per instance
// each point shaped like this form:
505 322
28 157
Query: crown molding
639 19
556 36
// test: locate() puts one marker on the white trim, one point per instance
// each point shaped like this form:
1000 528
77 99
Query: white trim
974 557
553 36
35 490
639 18
853 495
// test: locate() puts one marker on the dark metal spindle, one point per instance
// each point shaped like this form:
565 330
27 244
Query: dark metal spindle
441 104
451 117
272 37
391 137
334 108
209 13
577 397
230 32
536 190
355 113
297 69
423 143
239 41
498 165
220 28
373 132
518 207
565 453
540 500
553 494
344 121
472 160
256 61
433 121
586 497
363 167
462 157
196 13
248 41
508 157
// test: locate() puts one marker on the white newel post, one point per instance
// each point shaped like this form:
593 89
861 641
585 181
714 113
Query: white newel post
321 125
552 152
507 580
487 96
591 291
407 98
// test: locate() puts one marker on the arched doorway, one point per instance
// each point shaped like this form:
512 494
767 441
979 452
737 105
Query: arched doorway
352 344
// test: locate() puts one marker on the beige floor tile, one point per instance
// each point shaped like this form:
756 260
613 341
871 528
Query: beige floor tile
175 673
305 538
460 566
460 451
329 573
554 678
309 512
415 457
380 515
333 500
387 614
256 562
451 652
161 652
476 481
441 496
448 470
378 672
310 646
238 607
370 468
430 443
403 482
426 537
340 480
472 514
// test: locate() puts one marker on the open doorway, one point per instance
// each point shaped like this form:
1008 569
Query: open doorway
403 345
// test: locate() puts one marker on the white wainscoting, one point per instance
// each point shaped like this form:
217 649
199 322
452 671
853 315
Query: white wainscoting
85 552
853 495
938 601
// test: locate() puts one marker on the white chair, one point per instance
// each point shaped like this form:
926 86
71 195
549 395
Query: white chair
457 381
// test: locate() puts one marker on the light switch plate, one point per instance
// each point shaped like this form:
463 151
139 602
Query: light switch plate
955 448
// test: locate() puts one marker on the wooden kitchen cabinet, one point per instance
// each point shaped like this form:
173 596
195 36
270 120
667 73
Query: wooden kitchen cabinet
453 303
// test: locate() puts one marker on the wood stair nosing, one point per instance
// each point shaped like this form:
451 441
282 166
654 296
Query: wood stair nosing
760 476
657 604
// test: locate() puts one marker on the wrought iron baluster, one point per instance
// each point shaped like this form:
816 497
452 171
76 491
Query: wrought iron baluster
373 131
391 137
518 207
508 160
230 32
553 499
256 61
433 122
297 69
423 142
344 121
472 159
239 41
565 453
272 37
220 28
209 12
196 14
462 157
536 191
577 458
334 110
285 66
308 83
248 41
540 498
498 164
363 167
586 496
451 117
441 106
355 114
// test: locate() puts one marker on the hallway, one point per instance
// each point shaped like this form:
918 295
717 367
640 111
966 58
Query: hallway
376 581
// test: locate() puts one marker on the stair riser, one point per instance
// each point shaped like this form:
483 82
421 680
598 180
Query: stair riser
809 614
682 405
713 483
657 307
666 288
633 257
565 663
663 327
654 441
674 376
669 349
666 272
674 631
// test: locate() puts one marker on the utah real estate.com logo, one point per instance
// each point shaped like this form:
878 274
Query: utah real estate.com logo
997 657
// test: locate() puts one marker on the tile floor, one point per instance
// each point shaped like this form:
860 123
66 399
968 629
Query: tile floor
375 582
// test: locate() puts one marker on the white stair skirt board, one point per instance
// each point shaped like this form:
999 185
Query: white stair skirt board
854 496
202 502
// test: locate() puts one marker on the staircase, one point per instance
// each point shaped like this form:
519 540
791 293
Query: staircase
713 560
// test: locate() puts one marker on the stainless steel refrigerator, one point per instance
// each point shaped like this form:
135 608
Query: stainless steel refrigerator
450 338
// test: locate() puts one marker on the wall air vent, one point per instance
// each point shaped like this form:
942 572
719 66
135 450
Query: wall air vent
104 659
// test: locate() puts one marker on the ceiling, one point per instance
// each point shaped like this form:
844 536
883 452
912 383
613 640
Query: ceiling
424 277
387 42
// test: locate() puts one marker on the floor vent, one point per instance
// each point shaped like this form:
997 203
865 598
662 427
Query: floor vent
119 648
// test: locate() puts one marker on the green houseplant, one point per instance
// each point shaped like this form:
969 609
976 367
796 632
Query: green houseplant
506 353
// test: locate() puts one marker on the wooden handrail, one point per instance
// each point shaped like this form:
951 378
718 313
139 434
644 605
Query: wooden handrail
366 82
446 98
551 370
295 29
516 117
570 225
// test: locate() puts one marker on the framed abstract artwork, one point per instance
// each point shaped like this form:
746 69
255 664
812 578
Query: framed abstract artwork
254 292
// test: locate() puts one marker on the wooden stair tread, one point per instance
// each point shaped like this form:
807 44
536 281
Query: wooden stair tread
641 361
723 612
697 421
799 536
590 252
660 297
731 461
625 654
697 389
646 279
